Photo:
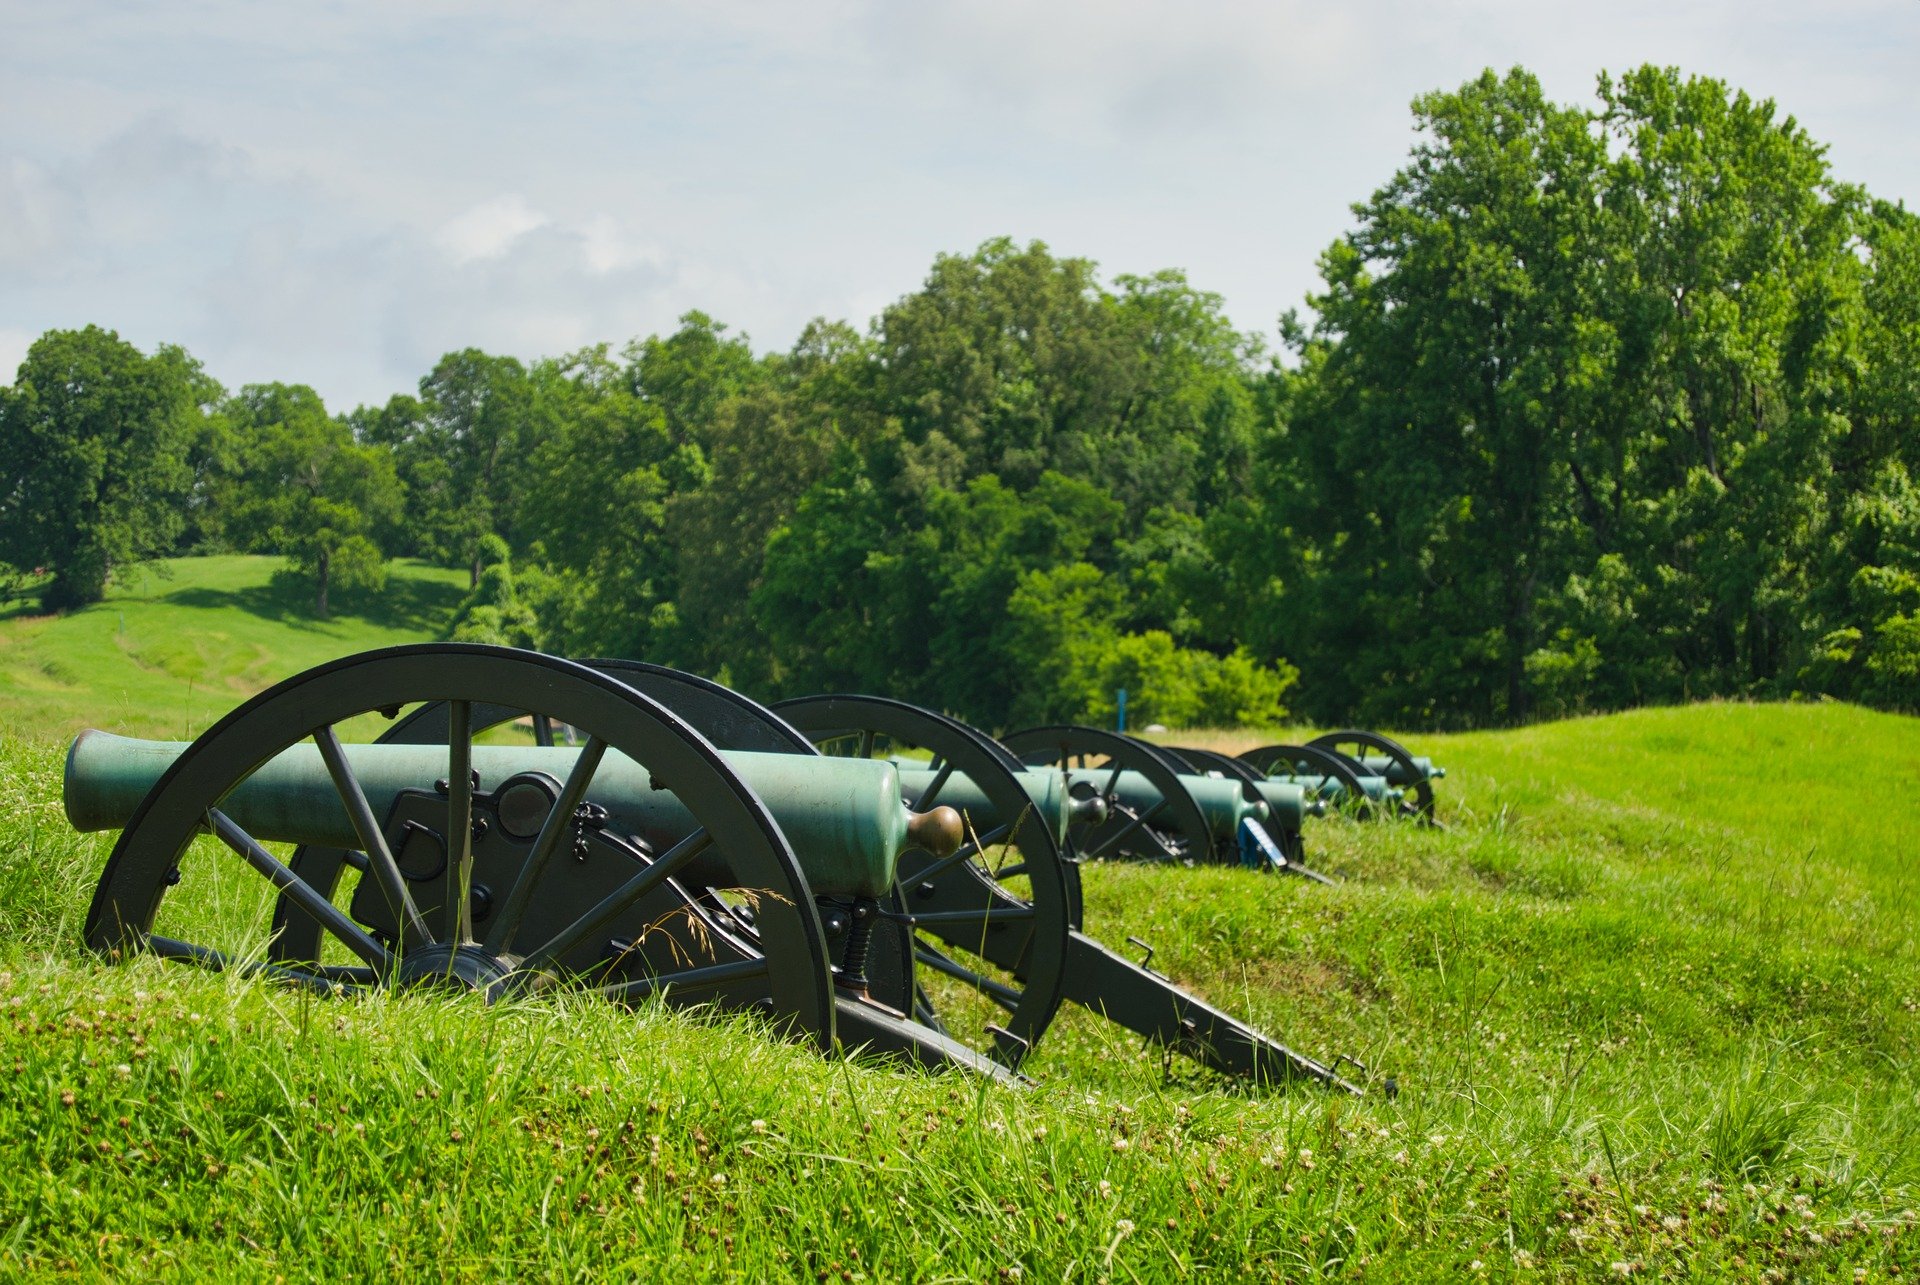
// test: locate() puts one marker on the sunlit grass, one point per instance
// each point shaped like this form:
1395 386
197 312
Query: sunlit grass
185 640
1651 1001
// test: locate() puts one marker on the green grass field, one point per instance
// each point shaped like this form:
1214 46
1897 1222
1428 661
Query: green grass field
1652 1001
187 639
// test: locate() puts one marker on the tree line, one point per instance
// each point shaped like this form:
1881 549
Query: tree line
1599 405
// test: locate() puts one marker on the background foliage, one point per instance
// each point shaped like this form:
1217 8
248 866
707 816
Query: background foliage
1600 405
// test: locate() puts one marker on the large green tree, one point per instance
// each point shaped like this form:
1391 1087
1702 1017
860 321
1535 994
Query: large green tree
1564 429
1456 346
309 491
766 447
461 449
1011 361
94 474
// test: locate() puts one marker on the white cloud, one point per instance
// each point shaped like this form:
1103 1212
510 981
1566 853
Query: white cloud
35 216
610 247
1126 68
339 193
488 229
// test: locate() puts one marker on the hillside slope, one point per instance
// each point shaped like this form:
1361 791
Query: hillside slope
189 638
1651 1001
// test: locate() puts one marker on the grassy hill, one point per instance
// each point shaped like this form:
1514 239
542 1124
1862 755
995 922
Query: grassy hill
189 638
1652 1001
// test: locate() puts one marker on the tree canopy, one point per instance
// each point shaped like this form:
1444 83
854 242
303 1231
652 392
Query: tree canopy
1597 404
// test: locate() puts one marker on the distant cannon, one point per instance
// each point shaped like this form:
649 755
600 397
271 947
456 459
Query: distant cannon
1394 781
985 935
1165 808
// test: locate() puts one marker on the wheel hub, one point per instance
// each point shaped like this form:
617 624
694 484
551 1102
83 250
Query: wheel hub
465 967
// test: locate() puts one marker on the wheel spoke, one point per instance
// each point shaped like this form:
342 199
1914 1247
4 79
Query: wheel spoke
302 893
999 992
457 919
712 975
1094 854
615 903
923 1011
543 731
866 744
323 977
373 843
964 852
559 821
932 792
994 914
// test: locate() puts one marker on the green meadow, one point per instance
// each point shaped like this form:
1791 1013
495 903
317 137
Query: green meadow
188 638
1650 1000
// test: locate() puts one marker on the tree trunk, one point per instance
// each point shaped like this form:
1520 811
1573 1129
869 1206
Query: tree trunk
320 603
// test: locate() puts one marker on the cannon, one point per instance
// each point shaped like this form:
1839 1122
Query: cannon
1164 808
1396 781
1338 782
984 935
693 846
645 862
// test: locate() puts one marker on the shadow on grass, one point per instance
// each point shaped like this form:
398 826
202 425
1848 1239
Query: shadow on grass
409 603
22 597
20 608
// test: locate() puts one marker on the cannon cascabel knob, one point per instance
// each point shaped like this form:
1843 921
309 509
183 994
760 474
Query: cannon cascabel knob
940 831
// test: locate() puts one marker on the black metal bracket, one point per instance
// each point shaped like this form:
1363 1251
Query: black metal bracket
1146 961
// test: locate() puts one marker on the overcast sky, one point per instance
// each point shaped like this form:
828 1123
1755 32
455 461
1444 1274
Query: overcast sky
336 192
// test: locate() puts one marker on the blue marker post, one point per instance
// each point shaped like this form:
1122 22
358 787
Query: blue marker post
1120 707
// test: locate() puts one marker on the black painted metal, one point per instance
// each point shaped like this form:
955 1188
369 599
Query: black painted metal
978 914
1356 744
1149 1004
1133 995
1293 844
1212 761
1177 831
697 925
788 948
1315 760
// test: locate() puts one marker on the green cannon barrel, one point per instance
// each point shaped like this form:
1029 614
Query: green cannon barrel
1396 773
843 817
1052 805
1223 803
1287 805
1333 790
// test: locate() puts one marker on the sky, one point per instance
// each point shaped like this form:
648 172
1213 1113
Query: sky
336 193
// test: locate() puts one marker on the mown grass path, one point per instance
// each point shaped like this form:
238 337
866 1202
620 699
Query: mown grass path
1651 1000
